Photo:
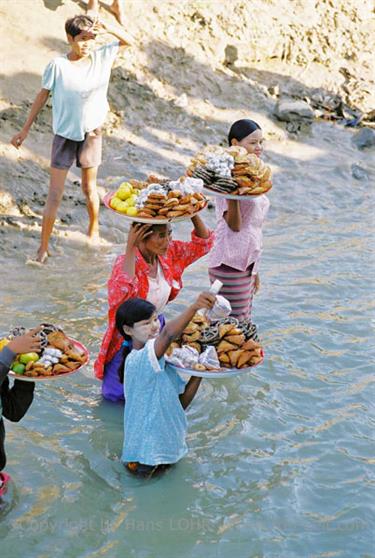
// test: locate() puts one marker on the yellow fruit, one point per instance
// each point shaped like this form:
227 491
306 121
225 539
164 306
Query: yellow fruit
3 342
131 211
131 201
114 203
122 207
124 191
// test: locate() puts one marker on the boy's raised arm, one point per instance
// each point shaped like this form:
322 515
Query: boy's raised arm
101 27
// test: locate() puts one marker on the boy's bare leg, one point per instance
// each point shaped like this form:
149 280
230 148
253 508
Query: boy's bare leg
55 192
92 200
117 8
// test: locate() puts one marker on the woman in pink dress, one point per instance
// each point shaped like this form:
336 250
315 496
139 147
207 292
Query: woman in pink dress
235 256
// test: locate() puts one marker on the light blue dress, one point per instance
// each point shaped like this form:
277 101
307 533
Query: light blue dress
79 91
155 424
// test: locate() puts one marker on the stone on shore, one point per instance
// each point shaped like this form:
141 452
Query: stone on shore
289 110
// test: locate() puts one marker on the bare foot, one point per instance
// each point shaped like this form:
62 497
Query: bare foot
118 11
93 238
41 256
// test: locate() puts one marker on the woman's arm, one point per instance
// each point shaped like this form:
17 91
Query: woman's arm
175 327
190 390
36 107
233 215
137 233
200 228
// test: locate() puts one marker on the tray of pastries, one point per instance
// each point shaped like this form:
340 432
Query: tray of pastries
157 200
236 348
59 356
231 172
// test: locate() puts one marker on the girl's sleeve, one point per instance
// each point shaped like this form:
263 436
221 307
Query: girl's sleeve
48 78
16 400
185 253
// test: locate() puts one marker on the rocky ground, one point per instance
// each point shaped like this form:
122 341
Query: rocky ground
195 67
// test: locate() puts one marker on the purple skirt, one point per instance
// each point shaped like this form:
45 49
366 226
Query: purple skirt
112 388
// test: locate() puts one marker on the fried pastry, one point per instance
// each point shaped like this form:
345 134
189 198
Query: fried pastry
224 347
59 340
244 358
234 357
236 339
224 329
250 345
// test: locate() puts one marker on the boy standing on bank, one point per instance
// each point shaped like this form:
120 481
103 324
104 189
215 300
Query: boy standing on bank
79 83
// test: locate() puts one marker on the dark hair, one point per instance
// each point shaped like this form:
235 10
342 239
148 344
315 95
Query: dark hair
129 313
241 129
75 25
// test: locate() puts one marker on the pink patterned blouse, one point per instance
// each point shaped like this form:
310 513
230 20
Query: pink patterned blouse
239 249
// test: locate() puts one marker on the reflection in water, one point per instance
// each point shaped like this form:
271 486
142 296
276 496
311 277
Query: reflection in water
281 460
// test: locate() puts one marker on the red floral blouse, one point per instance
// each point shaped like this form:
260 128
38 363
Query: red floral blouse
121 287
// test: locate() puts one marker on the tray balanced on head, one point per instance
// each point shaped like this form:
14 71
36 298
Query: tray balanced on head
158 202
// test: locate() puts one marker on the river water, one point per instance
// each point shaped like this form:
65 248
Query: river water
281 461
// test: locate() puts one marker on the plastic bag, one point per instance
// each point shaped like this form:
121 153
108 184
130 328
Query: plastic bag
184 357
209 358
221 309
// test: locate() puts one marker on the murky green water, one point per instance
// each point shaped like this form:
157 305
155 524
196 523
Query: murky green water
281 462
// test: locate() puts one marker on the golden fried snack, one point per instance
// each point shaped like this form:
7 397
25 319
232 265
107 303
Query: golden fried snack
175 213
236 339
59 340
199 366
192 337
153 206
244 358
250 345
174 194
234 356
72 365
224 359
224 329
60 369
191 327
75 355
224 347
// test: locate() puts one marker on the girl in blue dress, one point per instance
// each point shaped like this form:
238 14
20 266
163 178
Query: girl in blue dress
154 419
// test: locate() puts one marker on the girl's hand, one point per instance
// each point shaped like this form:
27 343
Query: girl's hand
26 343
137 234
18 139
257 283
204 300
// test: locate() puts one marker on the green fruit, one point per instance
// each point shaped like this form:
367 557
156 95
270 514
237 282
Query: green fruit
27 357
18 368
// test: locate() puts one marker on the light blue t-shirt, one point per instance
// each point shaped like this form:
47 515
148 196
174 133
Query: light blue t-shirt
155 424
79 91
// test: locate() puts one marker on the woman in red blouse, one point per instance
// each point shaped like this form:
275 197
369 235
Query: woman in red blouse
151 268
